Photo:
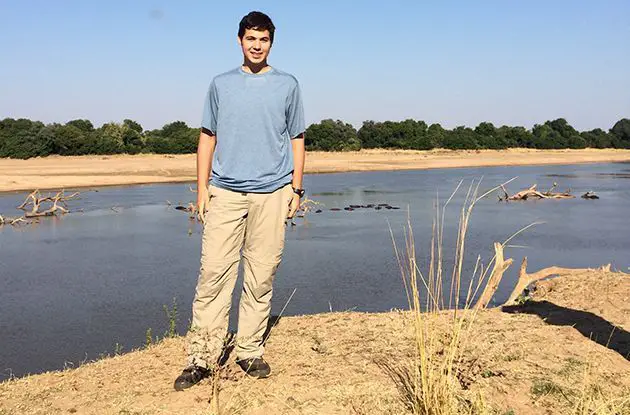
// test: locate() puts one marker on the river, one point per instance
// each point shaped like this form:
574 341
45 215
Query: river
73 287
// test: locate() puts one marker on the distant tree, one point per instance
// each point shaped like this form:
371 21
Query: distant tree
487 137
408 134
545 137
414 135
133 139
597 138
421 139
84 125
183 139
368 135
621 133
112 137
460 138
69 140
329 135
557 134
23 138
155 143
132 125
176 138
104 143
515 137
435 135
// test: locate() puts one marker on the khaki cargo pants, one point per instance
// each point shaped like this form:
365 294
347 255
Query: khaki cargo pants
252 224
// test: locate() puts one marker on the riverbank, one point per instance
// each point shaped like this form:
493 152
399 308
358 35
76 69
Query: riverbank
540 358
57 172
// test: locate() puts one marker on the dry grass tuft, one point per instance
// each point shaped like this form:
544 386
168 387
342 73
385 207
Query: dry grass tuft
435 380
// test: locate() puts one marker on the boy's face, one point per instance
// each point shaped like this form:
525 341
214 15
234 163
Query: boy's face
255 45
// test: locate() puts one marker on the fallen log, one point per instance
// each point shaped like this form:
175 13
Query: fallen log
35 201
525 279
533 192
35 206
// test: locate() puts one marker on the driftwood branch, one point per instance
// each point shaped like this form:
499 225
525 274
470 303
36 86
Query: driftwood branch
35 201
500 266
533 192
525 279
35 205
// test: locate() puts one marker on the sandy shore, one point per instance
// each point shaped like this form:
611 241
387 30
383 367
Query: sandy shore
85 171
541 358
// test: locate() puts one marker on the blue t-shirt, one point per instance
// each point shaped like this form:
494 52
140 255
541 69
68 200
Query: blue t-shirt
254 117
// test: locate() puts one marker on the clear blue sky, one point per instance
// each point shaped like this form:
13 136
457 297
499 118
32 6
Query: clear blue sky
452 62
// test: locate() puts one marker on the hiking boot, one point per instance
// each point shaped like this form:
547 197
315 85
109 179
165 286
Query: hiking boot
255 367
191 376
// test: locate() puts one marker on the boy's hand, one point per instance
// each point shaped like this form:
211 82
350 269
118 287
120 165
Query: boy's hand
294 205
203 200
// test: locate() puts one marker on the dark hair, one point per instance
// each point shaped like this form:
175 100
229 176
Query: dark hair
257 21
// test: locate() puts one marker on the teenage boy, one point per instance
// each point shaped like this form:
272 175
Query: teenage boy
252 141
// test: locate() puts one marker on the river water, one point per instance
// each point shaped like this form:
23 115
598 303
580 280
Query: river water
73 287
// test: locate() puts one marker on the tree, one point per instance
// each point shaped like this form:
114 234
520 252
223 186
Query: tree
515 137
487 136
331 135
23 139
435 135
175 137
83 125
131 124
69 140
460 138
621 133
544 137
133 138
368 135
597 138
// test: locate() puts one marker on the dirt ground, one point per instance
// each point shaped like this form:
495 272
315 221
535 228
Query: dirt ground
528 359
55 172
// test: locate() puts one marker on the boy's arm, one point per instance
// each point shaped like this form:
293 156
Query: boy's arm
299 157
205 152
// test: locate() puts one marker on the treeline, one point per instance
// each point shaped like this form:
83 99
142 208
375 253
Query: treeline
330 135
24 138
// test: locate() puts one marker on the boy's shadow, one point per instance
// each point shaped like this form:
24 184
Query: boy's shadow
590 325
230 340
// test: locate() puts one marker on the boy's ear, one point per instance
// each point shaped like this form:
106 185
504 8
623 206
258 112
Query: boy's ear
239 40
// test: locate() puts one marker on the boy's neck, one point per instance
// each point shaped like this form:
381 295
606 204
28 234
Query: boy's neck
256 68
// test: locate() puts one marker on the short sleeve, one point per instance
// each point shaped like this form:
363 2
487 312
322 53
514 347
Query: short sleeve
295 113
210 109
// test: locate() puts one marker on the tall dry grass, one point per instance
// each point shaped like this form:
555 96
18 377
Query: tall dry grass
431 383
